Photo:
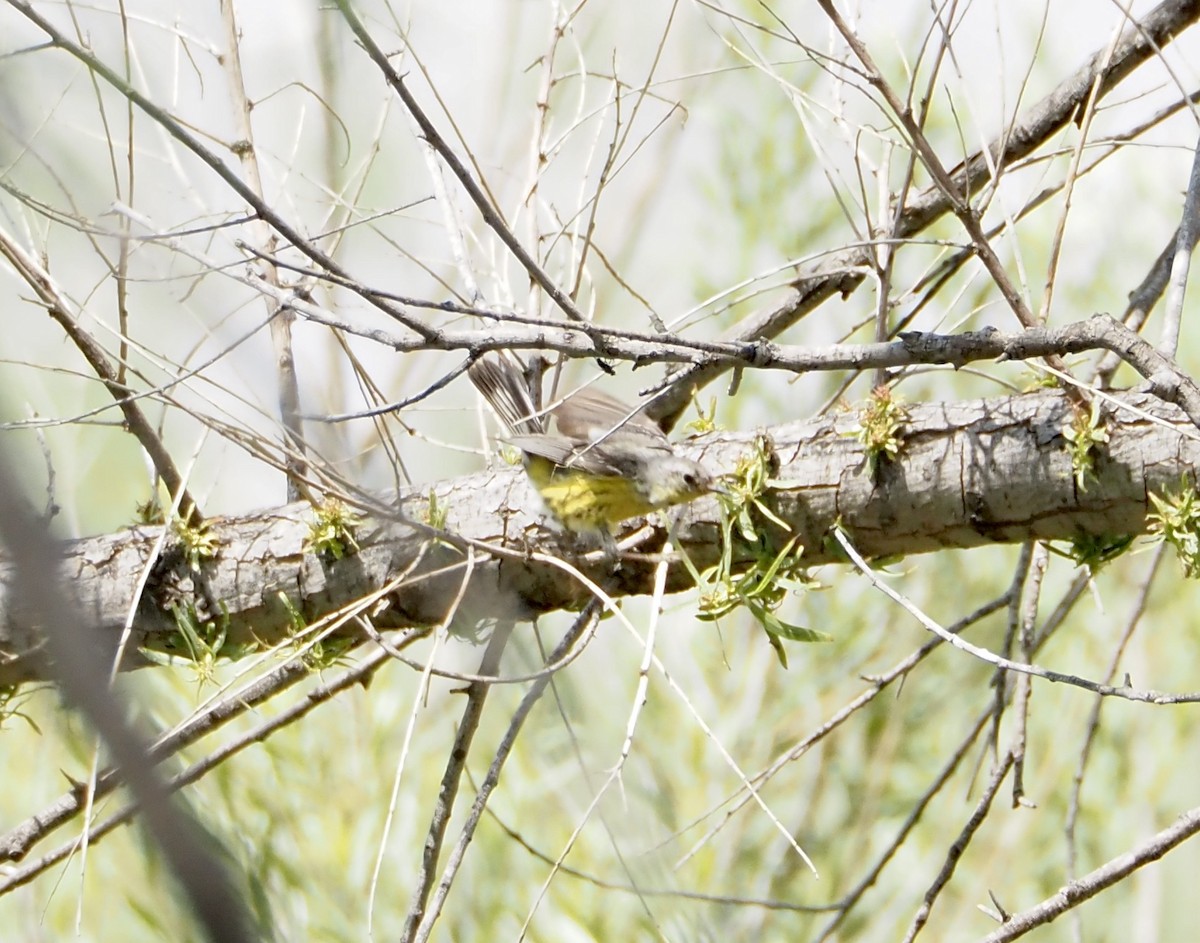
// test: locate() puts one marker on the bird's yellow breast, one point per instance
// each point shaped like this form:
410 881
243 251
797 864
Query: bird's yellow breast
584 502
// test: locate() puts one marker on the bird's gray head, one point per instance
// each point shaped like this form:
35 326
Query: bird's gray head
669 480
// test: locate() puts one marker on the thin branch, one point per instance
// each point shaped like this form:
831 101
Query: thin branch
1039 557
1098 332
324 694
135 420
1185 243
280 320
490 214
1092 728
841 273
916 809
414 933
477 692
1087 114
958 199
1114 871
1132 694
958 846
173 127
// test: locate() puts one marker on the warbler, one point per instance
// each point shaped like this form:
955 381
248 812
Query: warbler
602 463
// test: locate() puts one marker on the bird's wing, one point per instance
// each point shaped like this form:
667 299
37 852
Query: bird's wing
589 415
615 456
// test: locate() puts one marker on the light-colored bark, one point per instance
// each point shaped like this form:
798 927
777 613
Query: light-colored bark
968 474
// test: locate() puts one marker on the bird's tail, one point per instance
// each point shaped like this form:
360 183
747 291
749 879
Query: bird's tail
498 376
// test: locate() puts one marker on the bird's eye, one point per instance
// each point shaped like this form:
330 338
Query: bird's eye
691 479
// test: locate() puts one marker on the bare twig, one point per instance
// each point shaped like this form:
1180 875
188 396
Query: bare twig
1185 243
954 853
1000 680
1132 694
1039 558
840 274
214 163
476 692
419 932
139 426
1093 724
490 214
1116 870
1085 126
916 810
324 694
280 318
1098 332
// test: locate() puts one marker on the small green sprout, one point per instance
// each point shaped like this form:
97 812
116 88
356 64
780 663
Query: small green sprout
320 653
296 621
1176 519
760 584
1095 550
745 487
435 514
879 428
149 512
328 652
760 589
12 697
1084 433
1039 380
706 420
331 533
198 542
204 641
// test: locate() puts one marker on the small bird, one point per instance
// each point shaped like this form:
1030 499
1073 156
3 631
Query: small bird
604 461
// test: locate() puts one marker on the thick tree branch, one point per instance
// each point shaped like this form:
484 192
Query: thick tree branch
968 474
